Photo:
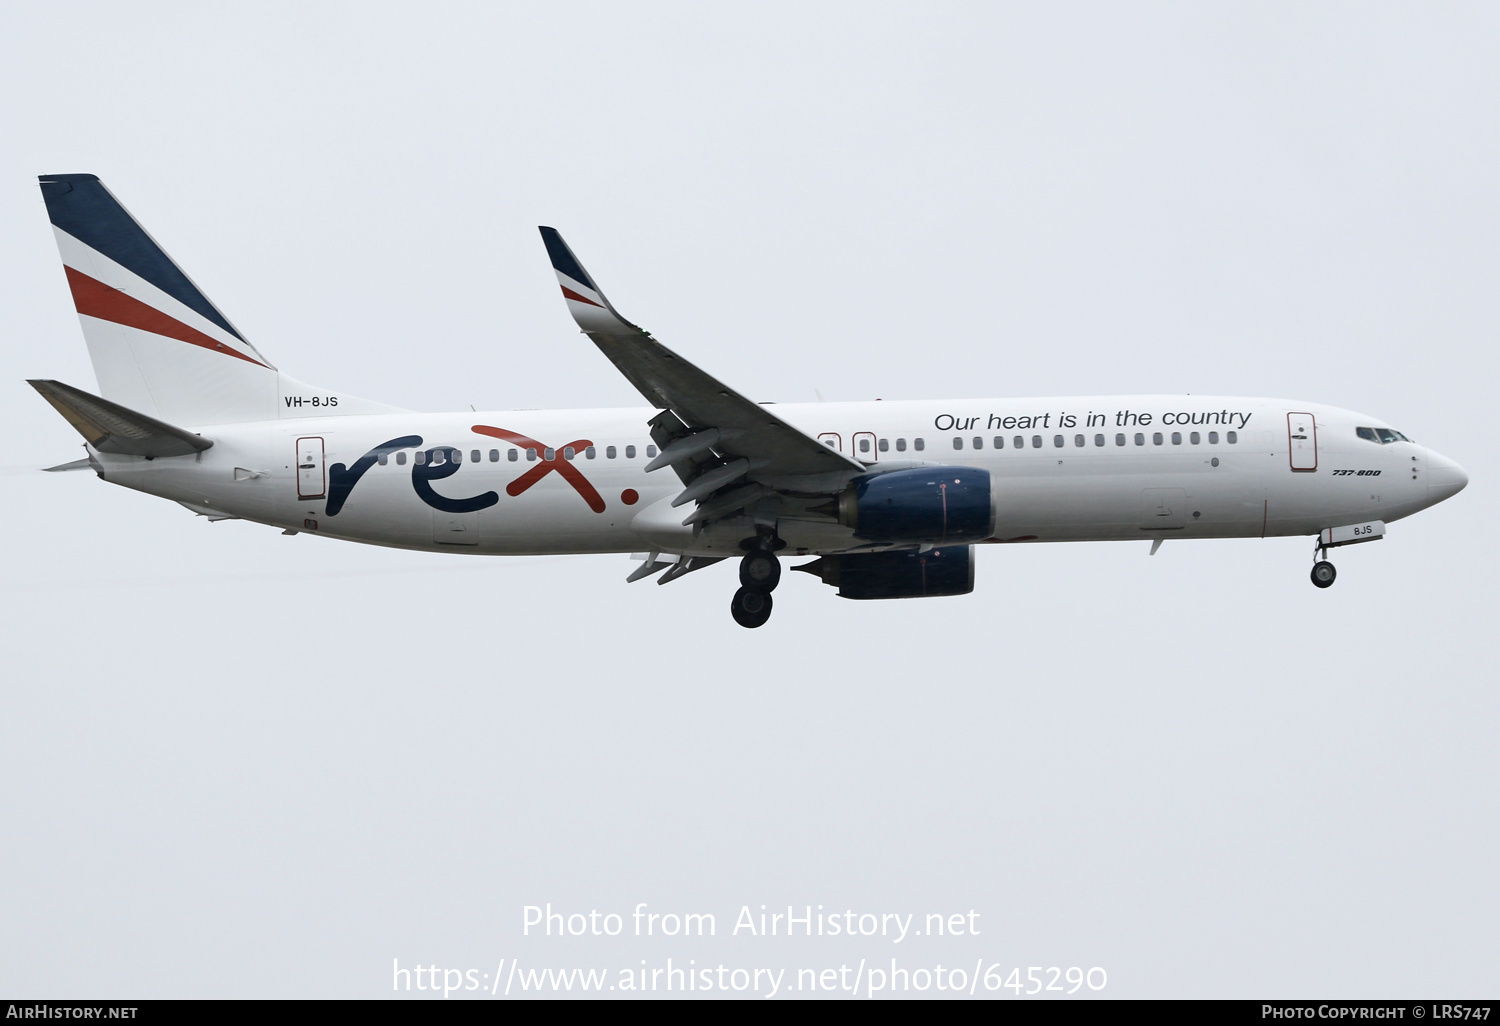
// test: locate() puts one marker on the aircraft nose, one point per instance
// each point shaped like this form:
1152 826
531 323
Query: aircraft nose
1445 478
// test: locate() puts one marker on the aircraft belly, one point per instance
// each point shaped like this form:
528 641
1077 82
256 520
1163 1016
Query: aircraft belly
1094 498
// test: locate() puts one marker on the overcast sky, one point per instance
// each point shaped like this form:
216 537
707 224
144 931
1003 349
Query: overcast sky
242 764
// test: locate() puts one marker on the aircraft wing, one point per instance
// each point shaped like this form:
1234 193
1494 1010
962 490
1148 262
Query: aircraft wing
714 438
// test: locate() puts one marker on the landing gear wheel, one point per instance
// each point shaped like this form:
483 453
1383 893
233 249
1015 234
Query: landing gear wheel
760 570
1323 573
750 607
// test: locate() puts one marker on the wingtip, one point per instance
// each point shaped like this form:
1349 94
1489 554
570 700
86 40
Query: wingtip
563 260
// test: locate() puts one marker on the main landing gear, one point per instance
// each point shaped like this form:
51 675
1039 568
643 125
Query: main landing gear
760 572
750 607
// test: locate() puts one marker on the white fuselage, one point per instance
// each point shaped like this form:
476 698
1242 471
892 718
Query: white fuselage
1189 467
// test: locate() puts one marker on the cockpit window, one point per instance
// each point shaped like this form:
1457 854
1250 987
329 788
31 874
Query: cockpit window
1368 434
1383 436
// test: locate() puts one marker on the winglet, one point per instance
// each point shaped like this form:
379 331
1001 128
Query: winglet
585 301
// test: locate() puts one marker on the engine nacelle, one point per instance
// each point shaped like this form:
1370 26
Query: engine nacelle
889 575
933 505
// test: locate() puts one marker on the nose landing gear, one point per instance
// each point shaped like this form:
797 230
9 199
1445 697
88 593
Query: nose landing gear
760 572
1323 573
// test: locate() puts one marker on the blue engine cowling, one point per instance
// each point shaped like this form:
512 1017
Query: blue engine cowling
890 575
933 505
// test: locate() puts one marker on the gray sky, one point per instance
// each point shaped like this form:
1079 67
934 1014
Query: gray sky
241 764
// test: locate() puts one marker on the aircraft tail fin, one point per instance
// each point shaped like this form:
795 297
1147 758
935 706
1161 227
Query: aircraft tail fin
158 344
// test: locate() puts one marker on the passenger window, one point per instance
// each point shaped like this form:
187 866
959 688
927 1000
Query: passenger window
589 453
1176 437
1019 442
1036 441
630 452
651 450
999 442
1057 440
1156 438
511 455
381 459
474 456
958 443
885 445
439 457
1079 441
494 455
1140 439
400 459
1213 438
900 445
530 455
609 452
549 454
1231 437
1119 439
419 457
568 453
919 444
979 443
864 445
1195 438
1098 439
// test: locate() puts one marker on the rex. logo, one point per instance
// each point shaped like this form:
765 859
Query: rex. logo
439 463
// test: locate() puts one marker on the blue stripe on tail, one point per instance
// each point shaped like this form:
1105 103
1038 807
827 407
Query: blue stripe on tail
81 206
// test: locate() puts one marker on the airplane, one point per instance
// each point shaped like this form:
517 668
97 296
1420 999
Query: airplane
888 498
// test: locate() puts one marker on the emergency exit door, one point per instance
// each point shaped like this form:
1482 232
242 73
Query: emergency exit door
311 479
1302 440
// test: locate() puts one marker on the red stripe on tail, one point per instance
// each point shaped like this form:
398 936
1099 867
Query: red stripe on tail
570 294
96 299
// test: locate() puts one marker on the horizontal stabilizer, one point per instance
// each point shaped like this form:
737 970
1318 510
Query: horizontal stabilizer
110 427
83 464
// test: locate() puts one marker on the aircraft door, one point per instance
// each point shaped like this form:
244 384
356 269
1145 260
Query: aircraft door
1163 509
1302 440
864 446
832 440
311 477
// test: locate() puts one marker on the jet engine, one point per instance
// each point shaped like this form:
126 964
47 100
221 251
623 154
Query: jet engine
948 570
932 505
